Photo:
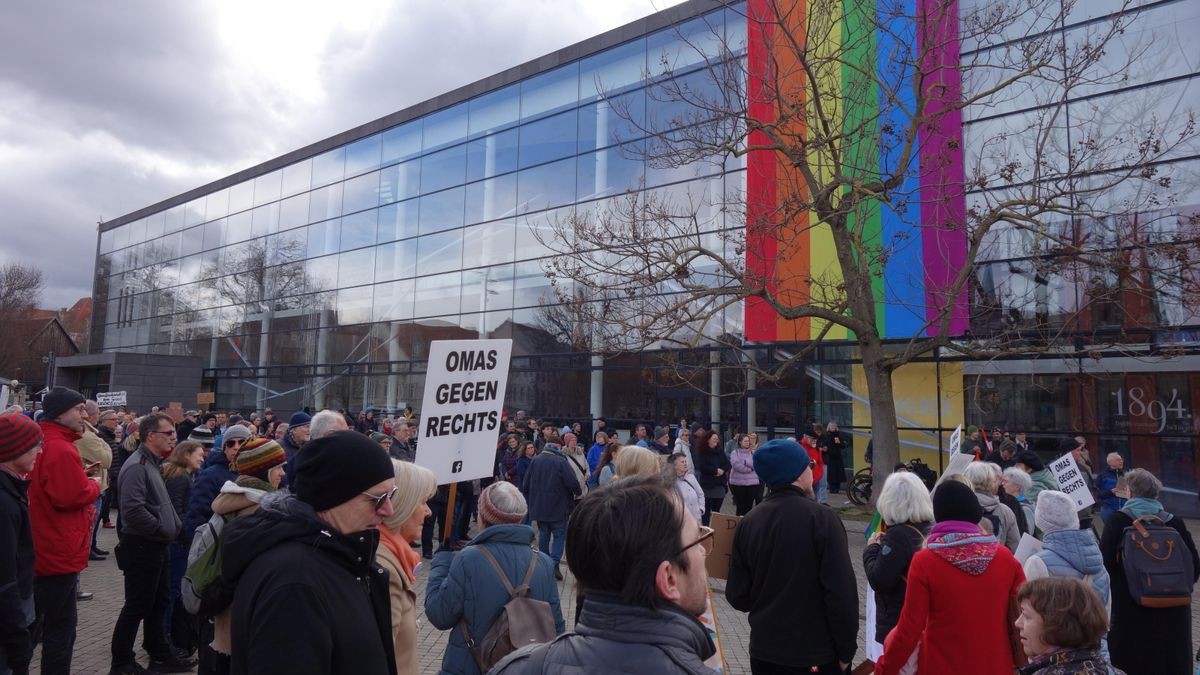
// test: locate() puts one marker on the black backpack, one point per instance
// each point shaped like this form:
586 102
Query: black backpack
1157 563
523 621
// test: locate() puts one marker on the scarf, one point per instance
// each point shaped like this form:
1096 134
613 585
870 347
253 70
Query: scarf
963 545
1141 507
404 553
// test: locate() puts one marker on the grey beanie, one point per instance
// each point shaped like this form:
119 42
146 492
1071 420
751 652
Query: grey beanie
1055 511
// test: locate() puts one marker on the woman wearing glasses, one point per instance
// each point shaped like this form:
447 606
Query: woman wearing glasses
217 470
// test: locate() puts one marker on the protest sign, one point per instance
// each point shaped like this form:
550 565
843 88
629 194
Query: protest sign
717 562
206 398
110 399
3 397
955 440
460 412
1027 547
958 463
1072 480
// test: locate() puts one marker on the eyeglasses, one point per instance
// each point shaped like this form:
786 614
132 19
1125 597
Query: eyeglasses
705 542
164 433
239 441
381 499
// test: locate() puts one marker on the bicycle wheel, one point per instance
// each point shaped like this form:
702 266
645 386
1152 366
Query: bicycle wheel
859 490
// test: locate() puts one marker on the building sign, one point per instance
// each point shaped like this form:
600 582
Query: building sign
110 399
1071 480
460 412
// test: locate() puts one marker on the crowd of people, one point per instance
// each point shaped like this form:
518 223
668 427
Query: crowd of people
256 545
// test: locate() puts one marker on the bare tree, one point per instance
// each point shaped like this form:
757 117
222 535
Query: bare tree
1071 197
20 291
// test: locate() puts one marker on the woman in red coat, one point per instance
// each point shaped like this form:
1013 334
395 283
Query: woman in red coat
959 590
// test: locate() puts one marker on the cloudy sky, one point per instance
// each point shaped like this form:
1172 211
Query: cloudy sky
109 107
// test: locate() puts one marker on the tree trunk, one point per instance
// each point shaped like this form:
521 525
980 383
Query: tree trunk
885 436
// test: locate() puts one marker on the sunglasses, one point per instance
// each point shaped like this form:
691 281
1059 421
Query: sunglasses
381 499
705 542
234 441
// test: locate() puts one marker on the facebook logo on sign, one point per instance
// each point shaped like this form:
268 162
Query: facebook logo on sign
456 467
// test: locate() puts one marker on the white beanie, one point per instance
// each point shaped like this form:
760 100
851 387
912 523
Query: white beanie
1055 511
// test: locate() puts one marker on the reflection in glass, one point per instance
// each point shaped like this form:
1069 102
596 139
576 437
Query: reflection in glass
489 243
438 295
444 127
442 210
393 301
238 227
287 247
216 204
546 186
499 282
266 220
492 155
364 155
356 268
214 234
293 212
358 229
266 188
360 193
353 306
402 142
325 203
531 288
688 45
609 172
612 70
322 272
397 260
492 198
494 110
443 169
439 252
297 177
397 221
194 212
547 139
329 167
174 219
550 92
154 225
612 121
323 238
399 182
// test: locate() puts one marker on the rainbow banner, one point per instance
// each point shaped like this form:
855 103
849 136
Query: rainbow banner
849 67
875 526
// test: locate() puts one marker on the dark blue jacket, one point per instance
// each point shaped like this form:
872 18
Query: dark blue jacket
550 487
464 585
204 490
593 456
16 574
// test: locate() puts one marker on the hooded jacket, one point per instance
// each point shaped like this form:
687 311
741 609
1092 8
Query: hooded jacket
236 500
611 638
16 573
145 508
61 504
1070 553
93 449
308 599
1010 532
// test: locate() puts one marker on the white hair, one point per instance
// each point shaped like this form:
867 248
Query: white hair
1019 478
904 499
984 476
1111 456
325 423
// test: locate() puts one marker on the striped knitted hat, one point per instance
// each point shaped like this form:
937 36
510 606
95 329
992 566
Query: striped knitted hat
259 456
18 435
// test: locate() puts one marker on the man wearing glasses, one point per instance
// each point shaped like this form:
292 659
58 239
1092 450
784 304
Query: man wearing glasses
309 596
644 584
146 523
790 569
217 469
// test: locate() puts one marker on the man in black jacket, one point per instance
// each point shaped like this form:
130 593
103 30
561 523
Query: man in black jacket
790 569
20 443
309 596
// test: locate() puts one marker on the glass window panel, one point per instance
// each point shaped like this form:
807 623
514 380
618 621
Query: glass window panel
402 142
210 265
492 155
287 247
445 127
293 212
266 219
155 225
682 102
612 121
396 260
120 238
241 196
546 186
440 252
492 198
267 188
297 177
354 306
443 169
735 29
325 203
442 210
364 155
609 172
329 167
533 229
358 230
393 301
360 193
323 238
106 241
612 70
214 234
550 92
438 295
397 221
489 243
189 270
194 212
399 182
499 282
531 288
356 268
137 231
238 227
679 48
659 174
322 272
547 139
174 219
216 204
497 110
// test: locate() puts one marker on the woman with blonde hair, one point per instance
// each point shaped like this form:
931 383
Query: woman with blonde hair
634 460
415 485
985 481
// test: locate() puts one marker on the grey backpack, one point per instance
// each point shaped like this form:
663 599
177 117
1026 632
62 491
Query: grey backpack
523 621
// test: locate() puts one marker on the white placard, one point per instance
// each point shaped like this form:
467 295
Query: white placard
460 412
108 399
955 440
1072 480
3 397
958 464
1028 546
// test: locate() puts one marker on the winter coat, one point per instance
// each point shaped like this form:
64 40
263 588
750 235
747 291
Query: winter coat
579 468
611 638
402 451
520 468
886 564
593 456
508 466
121 452
464 586
1023 525
550 487
308 599
1144 640
1106 482
94 449
16 573
707 464
144 505
741 467
403 605
1070 553
61 504
790 552
692 494
959 617
814 453
835 461
205 489
1042 480
1068 662
179 489
1010 533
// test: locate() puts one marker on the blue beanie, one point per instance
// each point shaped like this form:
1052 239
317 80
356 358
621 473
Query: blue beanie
299 419
780 462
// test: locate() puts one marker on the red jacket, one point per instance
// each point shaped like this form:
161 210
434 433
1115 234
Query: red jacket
61 505
959 620
814 453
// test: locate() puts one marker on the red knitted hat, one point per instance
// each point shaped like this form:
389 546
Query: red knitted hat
18 435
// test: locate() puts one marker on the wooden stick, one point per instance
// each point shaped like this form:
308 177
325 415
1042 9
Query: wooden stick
448 530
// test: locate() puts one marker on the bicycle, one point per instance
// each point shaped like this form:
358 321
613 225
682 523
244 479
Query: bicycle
862 483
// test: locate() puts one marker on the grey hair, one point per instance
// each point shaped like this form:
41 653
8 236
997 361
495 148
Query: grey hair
93 409
1019 478
507 498
984 476
904 499
1109 456
324 423
1142 483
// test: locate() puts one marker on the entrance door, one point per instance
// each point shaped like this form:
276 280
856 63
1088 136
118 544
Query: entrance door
773 413
672 404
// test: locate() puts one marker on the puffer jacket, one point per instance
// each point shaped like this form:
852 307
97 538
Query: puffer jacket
741 467
464 586
611 638
1010 534
1070 553
61 504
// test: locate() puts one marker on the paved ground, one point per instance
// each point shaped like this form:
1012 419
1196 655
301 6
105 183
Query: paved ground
104 580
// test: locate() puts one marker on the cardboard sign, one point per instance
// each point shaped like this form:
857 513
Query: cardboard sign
3 397
175 413
460 412
1073 481
724 528
110 399
958 463
206 398
955 440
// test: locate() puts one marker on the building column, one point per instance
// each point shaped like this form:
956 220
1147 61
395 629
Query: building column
322 348
751 401
597 393
714 387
